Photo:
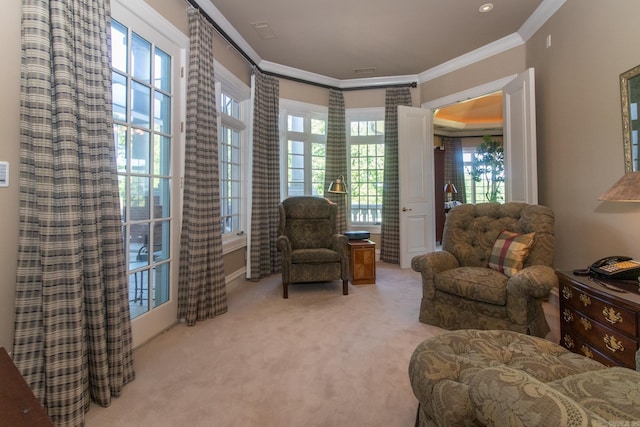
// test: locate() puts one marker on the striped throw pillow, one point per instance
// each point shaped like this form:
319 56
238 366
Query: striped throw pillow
510 251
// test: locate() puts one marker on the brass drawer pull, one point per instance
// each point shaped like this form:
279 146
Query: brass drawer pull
567 315
612 343
585 323
586 301
611 315
586 351
568 342
566 293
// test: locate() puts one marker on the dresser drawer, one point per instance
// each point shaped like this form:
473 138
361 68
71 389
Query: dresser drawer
606 340
593 307
576 344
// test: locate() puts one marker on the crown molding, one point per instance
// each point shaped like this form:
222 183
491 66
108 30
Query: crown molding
226 26
486 51
297 73
545 11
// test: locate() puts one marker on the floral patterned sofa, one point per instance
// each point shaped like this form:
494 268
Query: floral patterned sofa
505 378
468 285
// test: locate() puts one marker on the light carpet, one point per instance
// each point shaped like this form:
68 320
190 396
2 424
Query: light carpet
317 359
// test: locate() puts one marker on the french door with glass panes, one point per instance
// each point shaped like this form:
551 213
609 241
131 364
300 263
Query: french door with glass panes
146 86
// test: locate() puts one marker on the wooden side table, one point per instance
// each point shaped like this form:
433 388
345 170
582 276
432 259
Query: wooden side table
18 405
600 318
362 262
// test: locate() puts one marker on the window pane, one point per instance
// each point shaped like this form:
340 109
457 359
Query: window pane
354 129
162 155
120 137
162 72
119 95
141 58
161 198
140 208
119 46
141 104
161 239
162 113
296 147
295 124
161 282
318 127
140 151
122 189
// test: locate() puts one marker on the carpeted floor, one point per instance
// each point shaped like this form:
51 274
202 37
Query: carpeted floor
317 359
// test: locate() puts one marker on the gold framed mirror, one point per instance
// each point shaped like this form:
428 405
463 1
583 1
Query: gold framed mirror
630 99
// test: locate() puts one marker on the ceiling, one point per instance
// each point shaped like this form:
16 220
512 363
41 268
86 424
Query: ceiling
471 117
357 39
356 43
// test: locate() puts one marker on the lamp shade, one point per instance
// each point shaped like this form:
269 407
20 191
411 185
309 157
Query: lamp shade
338 186
450 188
627 189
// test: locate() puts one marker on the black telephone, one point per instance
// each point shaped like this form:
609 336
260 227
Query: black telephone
616 267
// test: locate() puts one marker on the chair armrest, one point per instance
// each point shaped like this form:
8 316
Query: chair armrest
429 265
434 262
339 244
284 245
534 281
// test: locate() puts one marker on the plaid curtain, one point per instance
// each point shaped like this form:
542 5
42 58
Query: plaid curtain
454 167
72 336
201 288
264 256
390 238
336 155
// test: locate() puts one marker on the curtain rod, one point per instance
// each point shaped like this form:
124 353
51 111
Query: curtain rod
194 3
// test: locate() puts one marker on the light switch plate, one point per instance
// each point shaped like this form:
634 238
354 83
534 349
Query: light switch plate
4 174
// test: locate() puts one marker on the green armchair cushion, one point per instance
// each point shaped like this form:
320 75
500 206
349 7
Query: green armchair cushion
463 282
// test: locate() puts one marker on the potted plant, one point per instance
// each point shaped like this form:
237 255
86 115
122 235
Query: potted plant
488 167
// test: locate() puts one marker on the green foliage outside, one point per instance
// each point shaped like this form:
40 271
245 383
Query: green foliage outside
488 168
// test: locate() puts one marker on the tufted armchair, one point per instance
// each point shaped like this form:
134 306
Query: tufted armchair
311 249
460 291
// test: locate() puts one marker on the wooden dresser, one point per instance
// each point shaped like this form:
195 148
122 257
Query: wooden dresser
600 318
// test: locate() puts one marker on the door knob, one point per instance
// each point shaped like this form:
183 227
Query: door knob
404 209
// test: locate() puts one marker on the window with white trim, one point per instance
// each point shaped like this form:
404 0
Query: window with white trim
365 140
304 137
233 105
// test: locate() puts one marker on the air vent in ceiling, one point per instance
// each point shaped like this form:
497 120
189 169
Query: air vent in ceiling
365 70
263 29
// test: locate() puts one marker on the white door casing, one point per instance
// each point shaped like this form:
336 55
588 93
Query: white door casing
415 160
520 157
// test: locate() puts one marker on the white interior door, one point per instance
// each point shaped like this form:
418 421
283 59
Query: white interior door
520 159
415 151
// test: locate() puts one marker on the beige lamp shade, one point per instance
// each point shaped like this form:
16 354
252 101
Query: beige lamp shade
449 188
338 186
627 189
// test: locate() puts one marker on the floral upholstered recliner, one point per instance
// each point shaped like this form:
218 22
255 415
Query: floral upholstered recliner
505 378
494 270
311 249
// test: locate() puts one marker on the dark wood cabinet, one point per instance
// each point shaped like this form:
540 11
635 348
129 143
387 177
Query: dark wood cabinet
18 405
599 318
